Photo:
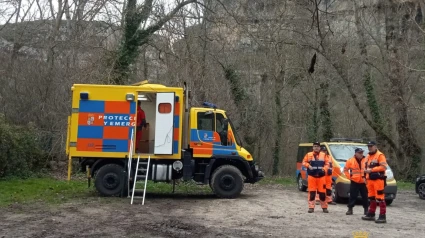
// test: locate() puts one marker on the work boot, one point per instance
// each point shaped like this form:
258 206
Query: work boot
325 210
369 217
350 211
310 210
381 219
332 203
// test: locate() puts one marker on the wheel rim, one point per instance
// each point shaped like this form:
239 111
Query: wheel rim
421 190
300 183
227 182
110 181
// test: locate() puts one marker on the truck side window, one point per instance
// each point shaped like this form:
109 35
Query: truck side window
219 122
222 132
205 122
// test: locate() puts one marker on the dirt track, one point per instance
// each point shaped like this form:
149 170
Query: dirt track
262 211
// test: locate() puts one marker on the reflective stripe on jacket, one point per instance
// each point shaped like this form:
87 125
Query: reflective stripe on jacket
354 169
319 162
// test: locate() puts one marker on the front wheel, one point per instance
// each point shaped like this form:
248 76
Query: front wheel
110 180
421 191
301 186
335 196
227 181
388 202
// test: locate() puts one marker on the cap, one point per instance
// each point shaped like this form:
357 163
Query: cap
323 148
316 143
357 150
371 143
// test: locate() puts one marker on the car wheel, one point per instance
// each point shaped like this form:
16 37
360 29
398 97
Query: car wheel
227 181
335 196
301 186
421 191
388 202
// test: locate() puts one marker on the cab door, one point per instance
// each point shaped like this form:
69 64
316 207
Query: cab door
202 137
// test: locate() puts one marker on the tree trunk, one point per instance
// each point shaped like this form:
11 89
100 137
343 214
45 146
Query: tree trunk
279 122
134 37
395 35
325 113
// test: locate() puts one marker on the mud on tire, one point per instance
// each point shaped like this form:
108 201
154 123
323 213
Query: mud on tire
227 181
110 180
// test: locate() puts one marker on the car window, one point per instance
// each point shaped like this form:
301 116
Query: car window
343 152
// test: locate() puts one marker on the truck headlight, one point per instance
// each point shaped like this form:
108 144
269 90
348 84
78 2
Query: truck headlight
390 174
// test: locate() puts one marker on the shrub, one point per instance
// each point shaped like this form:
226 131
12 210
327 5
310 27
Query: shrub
21 154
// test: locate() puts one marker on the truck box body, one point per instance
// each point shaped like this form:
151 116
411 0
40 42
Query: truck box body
101 125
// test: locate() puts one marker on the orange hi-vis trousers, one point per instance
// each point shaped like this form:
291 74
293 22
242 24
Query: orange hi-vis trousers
328 182
375 188
319 185
375 192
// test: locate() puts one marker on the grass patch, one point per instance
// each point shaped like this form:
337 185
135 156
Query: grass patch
43 189
287 181
403 185
54 191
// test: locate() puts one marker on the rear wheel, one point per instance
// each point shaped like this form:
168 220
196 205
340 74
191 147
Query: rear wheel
301 186
421 191
388 202
227 181
110 180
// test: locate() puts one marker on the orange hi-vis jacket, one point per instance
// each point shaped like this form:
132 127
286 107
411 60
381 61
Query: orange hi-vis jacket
354 169
319 161
378 163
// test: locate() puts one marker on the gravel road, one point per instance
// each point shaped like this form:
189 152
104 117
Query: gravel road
262 211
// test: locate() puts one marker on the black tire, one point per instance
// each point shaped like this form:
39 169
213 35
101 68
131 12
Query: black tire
227 181
388 202
335 196
110 180
301 186
421 191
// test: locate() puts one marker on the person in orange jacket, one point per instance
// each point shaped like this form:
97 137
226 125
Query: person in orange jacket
316 163
354 170
141 122
376 165
328 180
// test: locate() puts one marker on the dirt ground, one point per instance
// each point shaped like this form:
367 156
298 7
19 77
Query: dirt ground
262 211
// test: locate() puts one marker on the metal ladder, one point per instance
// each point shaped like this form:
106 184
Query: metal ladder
144 173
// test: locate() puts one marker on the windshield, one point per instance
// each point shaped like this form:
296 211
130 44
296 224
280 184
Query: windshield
343 152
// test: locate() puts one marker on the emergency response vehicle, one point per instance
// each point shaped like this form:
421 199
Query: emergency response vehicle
198 143
340 150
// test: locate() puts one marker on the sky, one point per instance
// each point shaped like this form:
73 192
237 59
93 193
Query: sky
30 10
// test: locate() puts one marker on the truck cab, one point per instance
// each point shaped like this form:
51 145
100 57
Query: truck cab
197 143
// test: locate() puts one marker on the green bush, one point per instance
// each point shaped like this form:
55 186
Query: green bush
21 154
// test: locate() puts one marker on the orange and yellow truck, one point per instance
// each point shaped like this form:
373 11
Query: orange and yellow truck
197 143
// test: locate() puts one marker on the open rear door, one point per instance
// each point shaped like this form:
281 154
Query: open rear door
164 124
